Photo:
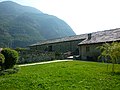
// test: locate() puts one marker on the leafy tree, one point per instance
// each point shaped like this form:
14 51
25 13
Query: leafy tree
11 57
2 60
111 53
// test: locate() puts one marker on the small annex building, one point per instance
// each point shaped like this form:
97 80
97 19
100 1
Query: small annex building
88 47
83 45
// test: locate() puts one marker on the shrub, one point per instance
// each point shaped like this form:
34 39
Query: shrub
111 53
2 60
11 57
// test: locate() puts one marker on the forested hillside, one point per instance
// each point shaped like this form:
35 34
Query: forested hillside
21 26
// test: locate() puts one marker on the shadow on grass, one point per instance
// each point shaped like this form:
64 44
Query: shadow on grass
9 71
117 73
114 73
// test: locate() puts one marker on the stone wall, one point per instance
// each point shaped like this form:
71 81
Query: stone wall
89 52
35 56
61 47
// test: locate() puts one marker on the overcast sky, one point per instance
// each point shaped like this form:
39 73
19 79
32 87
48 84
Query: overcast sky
84 16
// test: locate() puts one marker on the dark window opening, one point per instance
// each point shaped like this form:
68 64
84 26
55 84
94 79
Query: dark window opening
45 49
87 49
50 48
76 52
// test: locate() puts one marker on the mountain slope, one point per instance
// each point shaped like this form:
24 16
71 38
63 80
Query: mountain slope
21 25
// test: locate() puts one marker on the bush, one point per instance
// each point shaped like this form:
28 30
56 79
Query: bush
2 60
11 57
110 52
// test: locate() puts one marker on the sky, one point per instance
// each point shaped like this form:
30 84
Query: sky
83 16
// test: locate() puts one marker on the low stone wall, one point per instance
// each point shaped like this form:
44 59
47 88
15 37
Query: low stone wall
31 57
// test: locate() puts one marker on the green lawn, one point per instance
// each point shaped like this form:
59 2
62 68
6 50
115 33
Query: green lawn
74 75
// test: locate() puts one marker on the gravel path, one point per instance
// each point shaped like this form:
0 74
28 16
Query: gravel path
43 62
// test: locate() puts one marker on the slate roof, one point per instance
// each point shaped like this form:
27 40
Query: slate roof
64 39
103 36
96 37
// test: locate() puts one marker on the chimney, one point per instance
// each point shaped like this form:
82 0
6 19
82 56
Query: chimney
89 36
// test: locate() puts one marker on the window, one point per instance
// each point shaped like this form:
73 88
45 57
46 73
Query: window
50 48
87 49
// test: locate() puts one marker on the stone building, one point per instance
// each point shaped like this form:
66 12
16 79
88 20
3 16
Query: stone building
61 45
88 47
83 45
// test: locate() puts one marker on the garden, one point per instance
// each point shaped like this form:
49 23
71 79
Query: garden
72 75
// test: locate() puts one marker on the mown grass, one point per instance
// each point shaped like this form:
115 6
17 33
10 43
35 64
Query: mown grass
74 75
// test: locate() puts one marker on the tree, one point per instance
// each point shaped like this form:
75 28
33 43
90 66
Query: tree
11 57
111 53
2 60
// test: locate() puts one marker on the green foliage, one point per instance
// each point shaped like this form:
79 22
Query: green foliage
20 49
73 75
2 60
21 26
110 52
11 57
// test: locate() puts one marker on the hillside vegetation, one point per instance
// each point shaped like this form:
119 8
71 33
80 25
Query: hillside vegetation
22 25
74 75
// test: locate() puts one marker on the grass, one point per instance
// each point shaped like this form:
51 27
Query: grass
74 75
